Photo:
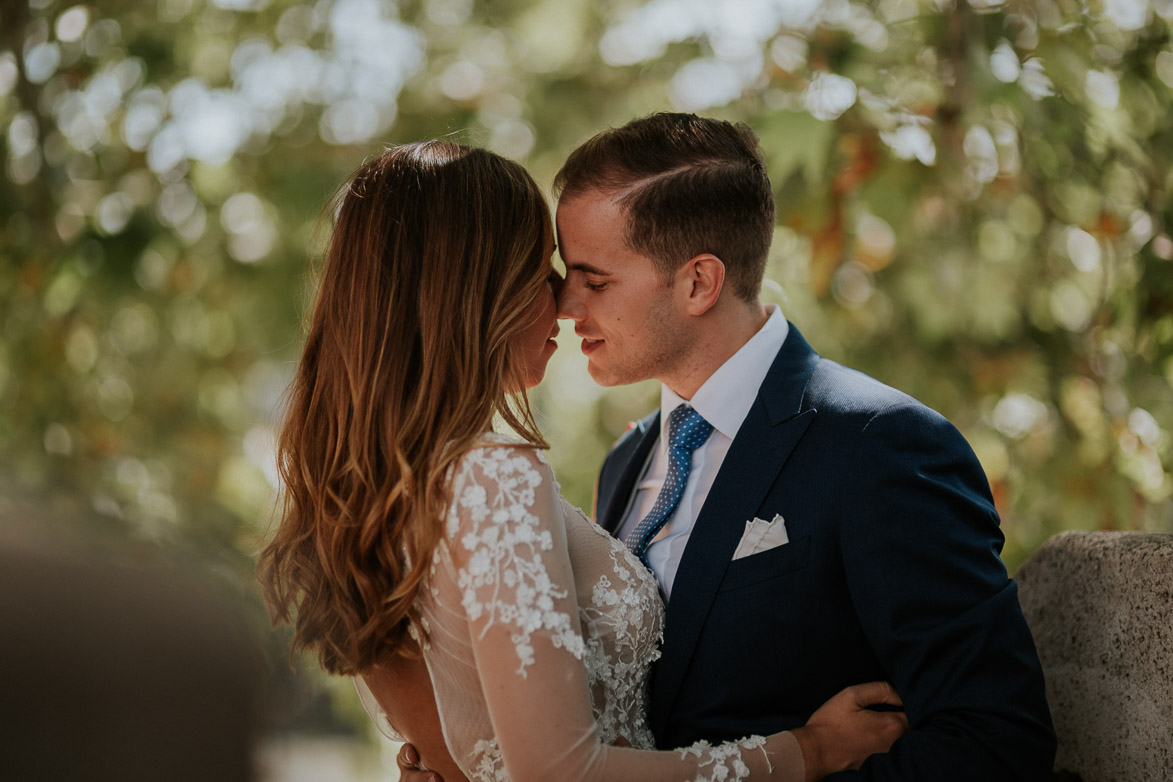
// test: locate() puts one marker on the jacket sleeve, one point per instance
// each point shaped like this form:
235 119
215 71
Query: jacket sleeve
920 545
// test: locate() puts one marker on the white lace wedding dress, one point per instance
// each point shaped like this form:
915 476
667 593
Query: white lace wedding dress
541 630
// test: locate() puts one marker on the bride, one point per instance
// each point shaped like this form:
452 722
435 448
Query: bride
415 541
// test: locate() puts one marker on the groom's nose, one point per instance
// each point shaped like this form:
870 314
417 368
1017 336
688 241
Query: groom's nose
569 302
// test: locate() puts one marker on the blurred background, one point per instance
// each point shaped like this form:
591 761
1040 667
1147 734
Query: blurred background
973 206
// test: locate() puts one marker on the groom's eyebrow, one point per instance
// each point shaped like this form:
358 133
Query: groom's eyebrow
578 266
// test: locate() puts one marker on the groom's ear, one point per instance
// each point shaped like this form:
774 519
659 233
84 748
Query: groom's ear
704 277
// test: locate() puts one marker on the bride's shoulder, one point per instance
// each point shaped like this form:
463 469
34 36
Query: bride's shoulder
502 459
498 481
501 448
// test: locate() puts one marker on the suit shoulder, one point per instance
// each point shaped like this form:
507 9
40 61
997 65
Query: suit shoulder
634 433
862 401
876 429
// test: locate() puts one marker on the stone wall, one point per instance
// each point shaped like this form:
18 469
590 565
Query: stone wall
1100 605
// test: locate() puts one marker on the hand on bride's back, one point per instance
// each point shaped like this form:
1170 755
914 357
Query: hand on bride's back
408 761
844 732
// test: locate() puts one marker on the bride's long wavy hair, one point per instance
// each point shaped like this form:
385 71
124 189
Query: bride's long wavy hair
437 256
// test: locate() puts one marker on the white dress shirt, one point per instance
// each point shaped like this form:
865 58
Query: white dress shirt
724 400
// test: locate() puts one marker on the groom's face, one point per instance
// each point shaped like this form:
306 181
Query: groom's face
627 313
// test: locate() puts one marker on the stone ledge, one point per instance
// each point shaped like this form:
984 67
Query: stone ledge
1100 605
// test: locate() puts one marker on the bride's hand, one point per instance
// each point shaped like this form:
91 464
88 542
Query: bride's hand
844 732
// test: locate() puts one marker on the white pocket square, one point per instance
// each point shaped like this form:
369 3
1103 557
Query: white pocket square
762 536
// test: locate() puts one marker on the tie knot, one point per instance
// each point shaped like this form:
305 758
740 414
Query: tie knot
687 428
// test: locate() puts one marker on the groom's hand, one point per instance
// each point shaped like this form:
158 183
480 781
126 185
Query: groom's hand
845 731
410 769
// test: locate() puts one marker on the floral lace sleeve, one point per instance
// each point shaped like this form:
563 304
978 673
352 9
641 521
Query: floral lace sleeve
507 551
511 578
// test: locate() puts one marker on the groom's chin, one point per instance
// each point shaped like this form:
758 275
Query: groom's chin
601 376
607 377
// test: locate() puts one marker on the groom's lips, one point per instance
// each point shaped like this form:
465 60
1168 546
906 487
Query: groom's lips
590 345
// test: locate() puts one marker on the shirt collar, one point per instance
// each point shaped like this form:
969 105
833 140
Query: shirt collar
726 397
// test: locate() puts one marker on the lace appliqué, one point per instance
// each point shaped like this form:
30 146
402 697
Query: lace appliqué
623 624
504 580
717 763
489 764
500 561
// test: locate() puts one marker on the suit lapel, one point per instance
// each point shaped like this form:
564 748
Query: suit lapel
771 430
630 457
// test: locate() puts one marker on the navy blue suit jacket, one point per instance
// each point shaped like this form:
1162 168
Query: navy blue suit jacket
891 573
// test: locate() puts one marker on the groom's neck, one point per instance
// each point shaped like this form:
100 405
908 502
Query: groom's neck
717 335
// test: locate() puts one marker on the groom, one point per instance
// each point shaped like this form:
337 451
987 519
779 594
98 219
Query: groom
809 527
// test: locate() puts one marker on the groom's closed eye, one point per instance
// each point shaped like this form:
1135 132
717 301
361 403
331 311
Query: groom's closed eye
594 279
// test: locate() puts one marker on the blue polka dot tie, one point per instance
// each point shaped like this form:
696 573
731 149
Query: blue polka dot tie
687 430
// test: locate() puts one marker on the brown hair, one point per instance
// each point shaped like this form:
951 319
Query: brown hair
688 185
437 254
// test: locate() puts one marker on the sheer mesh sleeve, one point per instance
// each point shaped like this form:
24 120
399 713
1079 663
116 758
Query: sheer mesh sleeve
375 711
505 647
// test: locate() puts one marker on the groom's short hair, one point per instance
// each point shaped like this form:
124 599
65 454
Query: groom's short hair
688 185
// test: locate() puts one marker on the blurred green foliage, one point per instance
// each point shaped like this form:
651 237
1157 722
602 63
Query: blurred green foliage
973 206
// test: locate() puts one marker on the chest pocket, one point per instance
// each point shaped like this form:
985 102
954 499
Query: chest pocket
767 565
